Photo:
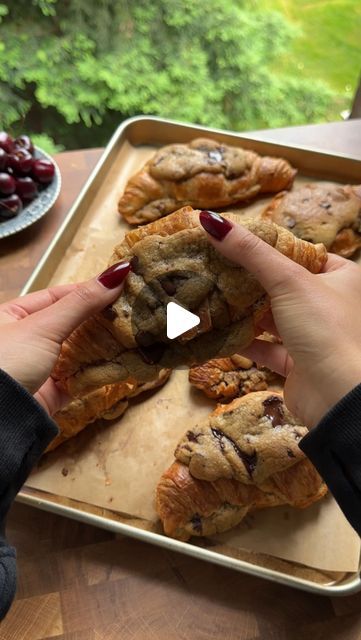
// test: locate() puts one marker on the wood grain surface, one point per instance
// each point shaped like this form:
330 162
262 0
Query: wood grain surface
77 582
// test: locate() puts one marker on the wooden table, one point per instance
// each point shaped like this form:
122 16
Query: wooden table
81 583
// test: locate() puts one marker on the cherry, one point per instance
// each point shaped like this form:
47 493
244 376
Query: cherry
3 159
7 184
43 171
10 207
24 142
6 142
21 175
20 161
26 188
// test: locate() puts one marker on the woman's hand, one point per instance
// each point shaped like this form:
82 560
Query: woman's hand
33 327
318 318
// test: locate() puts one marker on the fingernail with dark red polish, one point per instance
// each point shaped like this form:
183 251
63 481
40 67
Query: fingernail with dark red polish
114 276
214 224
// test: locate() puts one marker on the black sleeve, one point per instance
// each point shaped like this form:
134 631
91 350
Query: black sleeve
25 431
334 447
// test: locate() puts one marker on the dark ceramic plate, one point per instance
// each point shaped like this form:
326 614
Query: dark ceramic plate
38 207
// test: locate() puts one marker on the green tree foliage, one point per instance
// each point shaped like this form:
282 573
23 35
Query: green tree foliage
69 63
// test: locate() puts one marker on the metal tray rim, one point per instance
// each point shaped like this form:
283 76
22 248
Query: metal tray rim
228 132
191 550
116 135
122 528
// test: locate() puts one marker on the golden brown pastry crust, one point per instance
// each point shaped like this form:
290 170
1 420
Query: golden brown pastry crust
191 507
227 378
321 212
186 505
109 348
203 174
108 402
244 456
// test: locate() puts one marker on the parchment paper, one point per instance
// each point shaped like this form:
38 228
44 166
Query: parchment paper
117 465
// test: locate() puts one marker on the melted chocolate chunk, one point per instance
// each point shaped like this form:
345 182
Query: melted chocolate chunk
249 459
144 338
134 262
109 313
197 523
274 410
219 435
169 286
171 282
153 353
290 453
192 436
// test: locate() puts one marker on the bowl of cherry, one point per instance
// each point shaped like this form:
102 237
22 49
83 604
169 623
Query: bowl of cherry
29 183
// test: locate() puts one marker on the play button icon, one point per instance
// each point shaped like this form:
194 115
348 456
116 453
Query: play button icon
171 319
179 320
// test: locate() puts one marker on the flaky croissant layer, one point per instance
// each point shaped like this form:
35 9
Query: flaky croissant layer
203 174
108 402
228 378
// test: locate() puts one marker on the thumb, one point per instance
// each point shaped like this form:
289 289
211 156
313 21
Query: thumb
273 270
62 317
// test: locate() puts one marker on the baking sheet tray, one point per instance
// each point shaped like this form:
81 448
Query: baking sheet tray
153 131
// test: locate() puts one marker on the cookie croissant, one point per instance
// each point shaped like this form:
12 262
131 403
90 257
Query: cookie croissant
231 377
321 212
172 260
108 402
203 174
244 456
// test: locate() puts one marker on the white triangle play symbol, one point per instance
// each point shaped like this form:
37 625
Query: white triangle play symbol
179 320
